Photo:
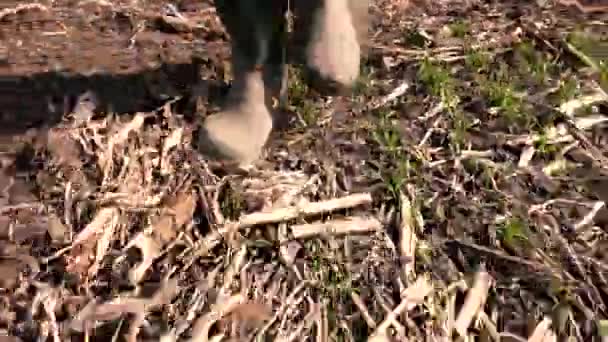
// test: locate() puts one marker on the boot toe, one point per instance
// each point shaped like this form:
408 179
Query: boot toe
233 138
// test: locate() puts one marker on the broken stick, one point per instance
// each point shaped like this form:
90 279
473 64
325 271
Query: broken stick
351 225
308 209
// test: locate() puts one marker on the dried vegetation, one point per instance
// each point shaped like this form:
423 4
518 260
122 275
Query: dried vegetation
458 195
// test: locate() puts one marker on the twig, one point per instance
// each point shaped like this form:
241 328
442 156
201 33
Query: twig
476 298
289 301
308 209
407 238
414 295
363 310
588 219
284 214
351 225
542 332
497 253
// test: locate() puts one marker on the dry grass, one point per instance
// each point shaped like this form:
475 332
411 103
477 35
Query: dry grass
459 195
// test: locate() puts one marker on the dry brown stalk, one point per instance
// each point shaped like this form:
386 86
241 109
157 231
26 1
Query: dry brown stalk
542 332
351 225
476 298
413 296
408 238
277 216
363 309
307 209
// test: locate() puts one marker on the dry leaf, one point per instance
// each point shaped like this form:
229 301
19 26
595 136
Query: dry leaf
380 337
542 332
96 226
181 212
104 242
122 134
5 222
57 230
184 208
116 308
26 231
174 139
412 296
526 156
224 306
20 192
65 149
149 249
95 236
125 305
10 269
251 312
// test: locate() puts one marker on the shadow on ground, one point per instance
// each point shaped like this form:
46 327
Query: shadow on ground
42 99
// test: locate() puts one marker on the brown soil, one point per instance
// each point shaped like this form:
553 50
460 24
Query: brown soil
128 57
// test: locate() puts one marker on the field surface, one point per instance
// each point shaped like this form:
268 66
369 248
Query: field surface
457 195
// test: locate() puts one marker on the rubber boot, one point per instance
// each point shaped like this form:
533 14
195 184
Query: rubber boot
330 37
238 133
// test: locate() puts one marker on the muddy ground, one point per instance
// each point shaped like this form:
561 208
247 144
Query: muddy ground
126 56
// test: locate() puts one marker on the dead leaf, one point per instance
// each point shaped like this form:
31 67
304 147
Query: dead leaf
121 135
104 242
123 132
542 332
163 230
64 148
202 326
179 213
80 258
37 228
10 269
79 322
150 250
20 192
117 308
120 306
96 226
252 312
57 230
380 337
412 296
166 293
174 139
5 222
184 208
95 236
173 24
